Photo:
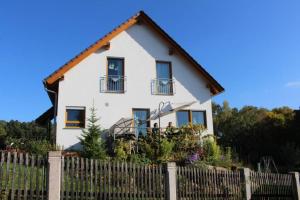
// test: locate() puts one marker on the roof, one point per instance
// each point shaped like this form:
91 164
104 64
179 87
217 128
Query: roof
45 117
140 17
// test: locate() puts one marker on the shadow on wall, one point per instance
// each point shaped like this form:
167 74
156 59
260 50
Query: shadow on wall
185 76
78 147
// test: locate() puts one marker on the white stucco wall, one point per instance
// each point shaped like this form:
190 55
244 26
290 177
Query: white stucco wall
140 48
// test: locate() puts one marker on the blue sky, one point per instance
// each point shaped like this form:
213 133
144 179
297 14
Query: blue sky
252 47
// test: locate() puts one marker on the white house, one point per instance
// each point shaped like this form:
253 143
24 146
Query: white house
126 75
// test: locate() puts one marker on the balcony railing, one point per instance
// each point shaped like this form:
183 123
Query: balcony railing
113 84
162 86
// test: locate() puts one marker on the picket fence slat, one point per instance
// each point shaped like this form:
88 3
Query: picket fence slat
95 179
195 183
271 186
22 176
19 175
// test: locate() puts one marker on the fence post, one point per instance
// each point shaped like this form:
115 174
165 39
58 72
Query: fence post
245 173
171 181
54 175
296 185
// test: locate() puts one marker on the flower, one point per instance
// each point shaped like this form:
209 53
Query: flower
192 158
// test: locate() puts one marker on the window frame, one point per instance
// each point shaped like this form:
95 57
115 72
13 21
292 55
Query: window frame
115 58
80 108
190 116
171 93
204 117
122 75
164 62
148 116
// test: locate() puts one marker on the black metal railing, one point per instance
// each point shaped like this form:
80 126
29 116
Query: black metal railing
162 86
113 84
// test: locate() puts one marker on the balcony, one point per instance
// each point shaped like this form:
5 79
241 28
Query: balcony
113 84
162 86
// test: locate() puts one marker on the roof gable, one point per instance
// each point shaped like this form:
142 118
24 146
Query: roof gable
140 17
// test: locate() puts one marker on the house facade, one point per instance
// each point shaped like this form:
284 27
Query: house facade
128 74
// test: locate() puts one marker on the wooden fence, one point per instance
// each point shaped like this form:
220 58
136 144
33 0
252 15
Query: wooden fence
195 183
94 179
22 176
271 186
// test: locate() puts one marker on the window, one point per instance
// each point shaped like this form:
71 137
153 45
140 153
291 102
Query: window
183 118
198 117
189 116
163 70
163 82
115 74
75 117
141 121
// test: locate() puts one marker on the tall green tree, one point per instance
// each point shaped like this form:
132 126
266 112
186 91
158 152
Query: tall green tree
91 140
254 133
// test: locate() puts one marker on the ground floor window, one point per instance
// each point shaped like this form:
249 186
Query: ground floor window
183 118
190 116
141 120
75 117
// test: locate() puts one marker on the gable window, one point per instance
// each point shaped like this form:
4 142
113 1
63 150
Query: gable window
185 117
163 84
141 121
115 75
75 117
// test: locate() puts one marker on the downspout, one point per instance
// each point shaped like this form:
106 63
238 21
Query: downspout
55 109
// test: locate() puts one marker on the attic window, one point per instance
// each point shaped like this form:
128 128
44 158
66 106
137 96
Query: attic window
75 117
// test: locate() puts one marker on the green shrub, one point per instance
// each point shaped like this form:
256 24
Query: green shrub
165 150
40 147
212 151
139 159
122 149
201 164
214 155
182 145
149 146
186 140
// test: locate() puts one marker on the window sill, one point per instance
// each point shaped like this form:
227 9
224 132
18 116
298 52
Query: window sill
157 94
113 92
76 128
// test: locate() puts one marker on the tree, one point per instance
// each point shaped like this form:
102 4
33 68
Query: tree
3 135
91 140
254 133
20 133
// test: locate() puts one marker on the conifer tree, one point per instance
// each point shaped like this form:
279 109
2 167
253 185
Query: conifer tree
92 143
